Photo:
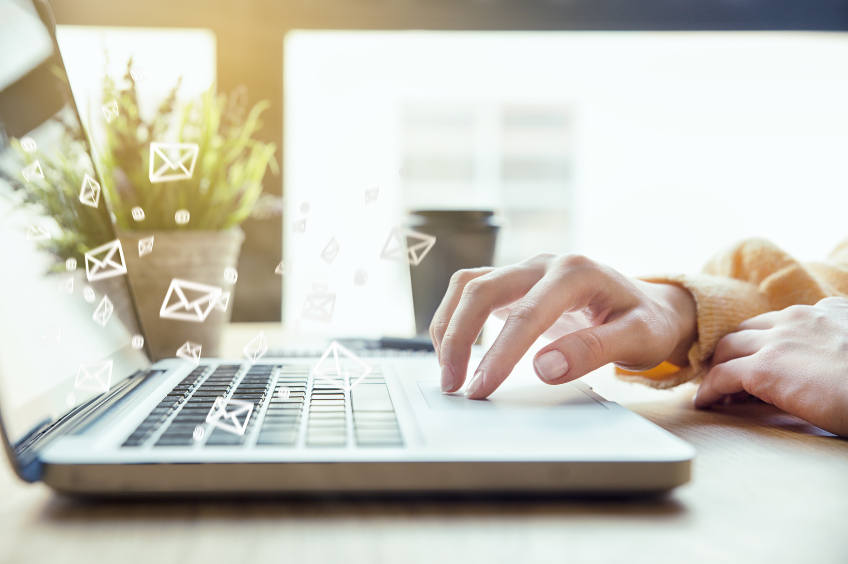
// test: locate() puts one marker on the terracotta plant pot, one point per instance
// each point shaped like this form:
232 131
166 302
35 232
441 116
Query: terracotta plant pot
196 256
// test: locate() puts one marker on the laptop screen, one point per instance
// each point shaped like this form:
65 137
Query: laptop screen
68 327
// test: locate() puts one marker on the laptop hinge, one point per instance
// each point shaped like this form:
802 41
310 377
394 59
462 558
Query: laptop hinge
27 449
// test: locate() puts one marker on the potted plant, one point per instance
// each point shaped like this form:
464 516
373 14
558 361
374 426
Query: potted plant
178 216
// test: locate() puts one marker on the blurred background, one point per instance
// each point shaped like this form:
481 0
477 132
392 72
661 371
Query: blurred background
645 134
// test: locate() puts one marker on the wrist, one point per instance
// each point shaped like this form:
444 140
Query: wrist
683 313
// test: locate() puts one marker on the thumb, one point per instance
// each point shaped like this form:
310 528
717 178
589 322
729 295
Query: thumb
581 352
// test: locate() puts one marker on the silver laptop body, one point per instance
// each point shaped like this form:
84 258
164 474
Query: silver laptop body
275 425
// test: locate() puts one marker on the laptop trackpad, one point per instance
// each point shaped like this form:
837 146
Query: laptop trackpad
510 397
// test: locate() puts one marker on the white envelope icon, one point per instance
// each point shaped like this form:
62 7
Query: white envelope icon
104 311
53 333
90 192
105 261
330 251
110 110
408 246
223 302
371 195
172 161
344 372
190 351
299 226
256 348
38 233
231 415
189 301
145 246
32 171
95 376
319 306
67 286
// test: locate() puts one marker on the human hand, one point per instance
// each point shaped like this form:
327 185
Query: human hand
796 359
596 314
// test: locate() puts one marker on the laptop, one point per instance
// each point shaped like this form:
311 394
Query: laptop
85 410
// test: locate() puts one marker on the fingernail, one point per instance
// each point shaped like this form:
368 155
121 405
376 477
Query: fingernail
447 378
551 365
475 384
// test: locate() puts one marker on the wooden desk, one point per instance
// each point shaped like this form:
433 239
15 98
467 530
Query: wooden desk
766 488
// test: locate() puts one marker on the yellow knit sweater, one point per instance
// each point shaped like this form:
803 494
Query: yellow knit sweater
751 278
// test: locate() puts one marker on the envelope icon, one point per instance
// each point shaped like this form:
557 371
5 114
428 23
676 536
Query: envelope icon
299 226
223 302
110 110
105 261
67 286
343 369
145 246
190 351
189 301
32 171
408 246
230 415
330 251
38 233
172 161
94 376
90 192
104 311
319 306
371 195
256 348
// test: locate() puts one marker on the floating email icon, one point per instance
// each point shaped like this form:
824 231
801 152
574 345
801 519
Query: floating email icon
231 415
189 301
53 333
197 434
104 311
299 226
88 294
304 207
90 192
28 144
371 195
330 251
319 306
256 348
230 275
32 171
343 369
137 213
137 341
38 233
223 302
110 110
145 246
360 277
67 286
94 376
71 264
105 261
172 161
190 351
182 217
408 246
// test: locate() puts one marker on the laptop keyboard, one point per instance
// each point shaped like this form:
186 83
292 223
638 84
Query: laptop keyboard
289 409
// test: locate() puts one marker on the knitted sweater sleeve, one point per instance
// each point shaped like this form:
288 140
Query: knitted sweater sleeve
750 278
